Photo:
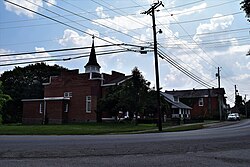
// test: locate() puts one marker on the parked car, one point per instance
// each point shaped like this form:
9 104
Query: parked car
237 116
233 117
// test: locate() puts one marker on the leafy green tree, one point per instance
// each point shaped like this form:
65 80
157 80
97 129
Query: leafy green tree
3 99
239 104
24 83
245 5
134 96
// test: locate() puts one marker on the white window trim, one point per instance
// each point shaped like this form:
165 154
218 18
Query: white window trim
201 102
41 107
67 94
66 109
88 104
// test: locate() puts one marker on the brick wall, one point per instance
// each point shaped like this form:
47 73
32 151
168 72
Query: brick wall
31 112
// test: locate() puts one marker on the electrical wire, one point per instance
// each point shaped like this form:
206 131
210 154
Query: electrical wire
63 59
184 70
56 50
88 19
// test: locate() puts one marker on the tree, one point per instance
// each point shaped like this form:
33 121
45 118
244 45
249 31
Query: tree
24 83
245 5
3 99
239 104
133 96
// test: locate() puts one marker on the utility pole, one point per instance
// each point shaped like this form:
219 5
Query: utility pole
235 91
218 76
151 12
245 99
219 97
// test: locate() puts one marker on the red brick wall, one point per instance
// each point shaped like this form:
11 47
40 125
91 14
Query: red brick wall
205 111
31 113
69 81
80 86
54 110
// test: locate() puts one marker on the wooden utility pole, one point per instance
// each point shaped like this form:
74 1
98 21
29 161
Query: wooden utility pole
218 76
235 91
151 12
245 100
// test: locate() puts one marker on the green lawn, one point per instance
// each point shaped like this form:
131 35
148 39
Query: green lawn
88 129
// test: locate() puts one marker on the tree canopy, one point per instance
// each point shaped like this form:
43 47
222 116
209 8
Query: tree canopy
245 5
134 96
3 100
24 83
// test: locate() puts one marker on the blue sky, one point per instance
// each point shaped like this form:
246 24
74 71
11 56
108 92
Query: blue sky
200 35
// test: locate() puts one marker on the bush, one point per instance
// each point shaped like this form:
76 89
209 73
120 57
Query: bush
1 120
189 121
148 121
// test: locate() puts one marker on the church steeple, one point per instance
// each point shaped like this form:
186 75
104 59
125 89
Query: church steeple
92 65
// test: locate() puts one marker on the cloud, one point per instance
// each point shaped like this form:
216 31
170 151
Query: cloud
218 22
189 11
72 38
33 5
51 3
14 59
100 13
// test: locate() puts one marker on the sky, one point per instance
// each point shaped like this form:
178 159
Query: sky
199 35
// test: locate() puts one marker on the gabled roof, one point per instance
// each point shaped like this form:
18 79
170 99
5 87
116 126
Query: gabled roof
196 93
170 98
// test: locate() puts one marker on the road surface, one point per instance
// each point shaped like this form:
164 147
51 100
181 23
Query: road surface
215 146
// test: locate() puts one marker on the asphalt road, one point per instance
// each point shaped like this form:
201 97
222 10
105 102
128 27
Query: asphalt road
214 146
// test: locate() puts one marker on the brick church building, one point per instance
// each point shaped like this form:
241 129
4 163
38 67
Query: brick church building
72 96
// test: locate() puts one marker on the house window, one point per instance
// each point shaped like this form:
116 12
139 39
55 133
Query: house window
66 107
176 99
88 104
201 103
41 108
67 94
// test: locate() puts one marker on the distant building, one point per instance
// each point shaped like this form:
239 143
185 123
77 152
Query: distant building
178 109
72 96
205 103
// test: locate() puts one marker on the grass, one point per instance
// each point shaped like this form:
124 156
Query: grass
89 129
184 128
73 129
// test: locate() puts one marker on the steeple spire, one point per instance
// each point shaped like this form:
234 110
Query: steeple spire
92 65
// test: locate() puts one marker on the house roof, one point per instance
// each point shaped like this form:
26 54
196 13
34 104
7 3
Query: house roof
170 98
196 93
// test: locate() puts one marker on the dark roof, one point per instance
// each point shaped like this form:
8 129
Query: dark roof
92 57
195 93
118 80
169 98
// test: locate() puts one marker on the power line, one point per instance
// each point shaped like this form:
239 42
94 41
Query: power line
57 21
215 17
55 50
63 59
60 55
183 70
207 7
88 19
